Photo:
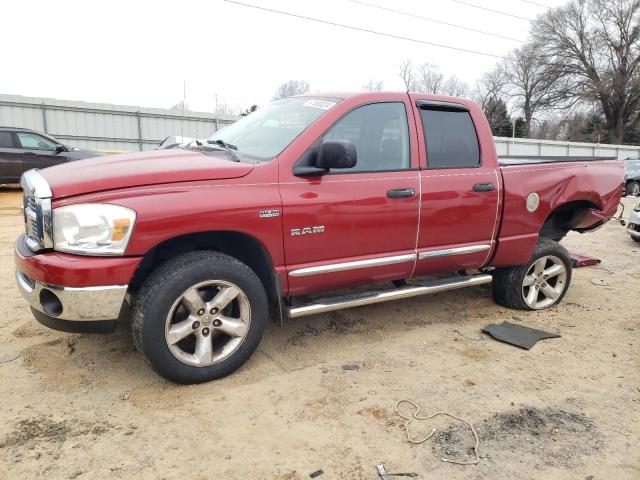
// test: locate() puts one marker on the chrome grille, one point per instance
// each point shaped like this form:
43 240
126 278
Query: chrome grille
36 205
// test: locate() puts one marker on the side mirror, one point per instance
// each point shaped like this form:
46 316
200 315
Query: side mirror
337 154
60 148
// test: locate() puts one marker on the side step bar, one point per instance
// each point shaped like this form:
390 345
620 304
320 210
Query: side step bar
358 300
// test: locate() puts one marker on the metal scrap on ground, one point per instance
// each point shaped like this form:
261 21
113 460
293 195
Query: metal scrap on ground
518 335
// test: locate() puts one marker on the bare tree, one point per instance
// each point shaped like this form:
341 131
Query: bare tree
407 75
291 89
597 42
454 87
534 85
490 88
430 79
373 86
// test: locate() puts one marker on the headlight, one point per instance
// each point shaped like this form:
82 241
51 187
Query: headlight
92 228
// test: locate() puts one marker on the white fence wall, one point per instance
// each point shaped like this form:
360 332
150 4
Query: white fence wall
102 126
525 146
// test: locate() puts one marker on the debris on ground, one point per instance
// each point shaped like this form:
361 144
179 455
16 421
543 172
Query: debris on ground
385 476
518 335
599 282
315 474
580 260
415 416
350 366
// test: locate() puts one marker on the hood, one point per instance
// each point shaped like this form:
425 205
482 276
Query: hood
112 172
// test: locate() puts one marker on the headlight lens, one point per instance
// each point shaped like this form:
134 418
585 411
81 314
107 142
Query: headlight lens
92 228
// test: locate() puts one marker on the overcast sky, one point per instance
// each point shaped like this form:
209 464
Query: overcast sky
140 53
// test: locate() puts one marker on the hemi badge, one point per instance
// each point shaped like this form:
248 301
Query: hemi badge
269 213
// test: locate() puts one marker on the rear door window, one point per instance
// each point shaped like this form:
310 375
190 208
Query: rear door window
450 137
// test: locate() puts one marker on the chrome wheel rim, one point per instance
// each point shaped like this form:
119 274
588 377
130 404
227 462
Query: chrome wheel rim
207 323
635 190
544 282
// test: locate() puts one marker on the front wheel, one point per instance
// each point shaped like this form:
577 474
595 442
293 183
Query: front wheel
199 317
539 284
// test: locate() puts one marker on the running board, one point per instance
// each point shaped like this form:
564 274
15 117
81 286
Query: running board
358 300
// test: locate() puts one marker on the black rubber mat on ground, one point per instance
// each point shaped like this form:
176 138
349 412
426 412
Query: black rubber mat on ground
518 335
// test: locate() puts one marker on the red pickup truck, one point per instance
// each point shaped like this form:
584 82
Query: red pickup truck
307 195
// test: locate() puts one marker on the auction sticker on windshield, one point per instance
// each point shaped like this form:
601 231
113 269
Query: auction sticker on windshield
323 104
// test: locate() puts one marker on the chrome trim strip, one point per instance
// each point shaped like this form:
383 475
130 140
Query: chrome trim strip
82 304
447 252
340 267
339 303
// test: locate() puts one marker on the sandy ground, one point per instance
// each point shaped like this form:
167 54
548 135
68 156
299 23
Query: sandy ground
87 406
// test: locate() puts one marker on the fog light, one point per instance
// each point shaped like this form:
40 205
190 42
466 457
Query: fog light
50 302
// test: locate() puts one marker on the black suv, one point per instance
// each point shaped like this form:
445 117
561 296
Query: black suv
22 149
632 170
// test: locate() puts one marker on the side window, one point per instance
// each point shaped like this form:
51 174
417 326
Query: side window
451 138
33 141
380 133
5 140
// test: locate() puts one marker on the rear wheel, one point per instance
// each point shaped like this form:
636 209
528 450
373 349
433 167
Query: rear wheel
633 189
539 284
199 317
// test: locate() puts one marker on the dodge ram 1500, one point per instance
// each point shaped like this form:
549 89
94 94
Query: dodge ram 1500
307 195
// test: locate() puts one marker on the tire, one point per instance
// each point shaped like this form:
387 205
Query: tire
635 239
633 189
512 287
181 340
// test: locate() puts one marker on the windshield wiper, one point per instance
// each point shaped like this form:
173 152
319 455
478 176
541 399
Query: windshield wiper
228 147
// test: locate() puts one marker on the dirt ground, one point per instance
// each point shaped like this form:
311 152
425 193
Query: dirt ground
87 406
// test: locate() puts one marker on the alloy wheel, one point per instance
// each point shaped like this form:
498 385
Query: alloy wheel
207 323
545 282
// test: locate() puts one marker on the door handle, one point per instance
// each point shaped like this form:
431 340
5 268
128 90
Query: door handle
484 187
28 153
401 193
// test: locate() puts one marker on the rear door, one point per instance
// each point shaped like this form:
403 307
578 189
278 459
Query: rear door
39 151
460 190
10 158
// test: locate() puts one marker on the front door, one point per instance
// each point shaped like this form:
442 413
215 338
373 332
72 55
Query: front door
10 158
356 225
39 151
460 191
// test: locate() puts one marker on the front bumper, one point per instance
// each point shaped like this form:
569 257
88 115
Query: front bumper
73 293
633 226
82 304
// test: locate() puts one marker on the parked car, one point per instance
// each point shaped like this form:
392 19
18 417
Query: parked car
22 149
305 196
632 170
633 225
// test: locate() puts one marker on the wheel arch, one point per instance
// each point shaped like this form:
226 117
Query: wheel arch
565 217
239 245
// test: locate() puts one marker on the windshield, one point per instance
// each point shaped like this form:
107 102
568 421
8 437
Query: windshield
264 133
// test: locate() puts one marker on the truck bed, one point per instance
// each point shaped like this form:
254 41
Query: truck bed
508 160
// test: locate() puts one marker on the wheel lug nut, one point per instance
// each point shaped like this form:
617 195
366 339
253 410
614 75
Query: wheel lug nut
217 323
201 311
214 311
195 325
205 331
